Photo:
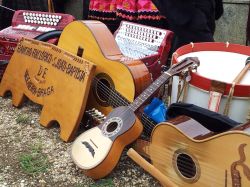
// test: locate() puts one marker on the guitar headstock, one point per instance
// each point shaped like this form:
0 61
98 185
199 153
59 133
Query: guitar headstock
189 63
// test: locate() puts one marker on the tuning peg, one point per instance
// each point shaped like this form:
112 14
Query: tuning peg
195 67
164 68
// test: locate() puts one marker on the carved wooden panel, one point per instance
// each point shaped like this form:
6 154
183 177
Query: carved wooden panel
52 77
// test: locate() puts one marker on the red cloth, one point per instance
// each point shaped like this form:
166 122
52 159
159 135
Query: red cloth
142 11
102 9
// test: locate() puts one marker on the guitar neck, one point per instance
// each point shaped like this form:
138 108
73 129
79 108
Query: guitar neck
146 94
186 64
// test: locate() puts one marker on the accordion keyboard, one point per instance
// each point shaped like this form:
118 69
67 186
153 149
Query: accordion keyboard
29 24
37 22
139 41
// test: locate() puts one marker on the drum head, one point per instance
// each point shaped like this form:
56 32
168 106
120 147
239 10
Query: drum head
218 61
221 62
220 65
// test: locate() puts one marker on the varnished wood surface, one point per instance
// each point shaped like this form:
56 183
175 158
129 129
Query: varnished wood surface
105 145
150 168
242 127
214 156
182 119
35 67
129 77
143 146
127 117
114 155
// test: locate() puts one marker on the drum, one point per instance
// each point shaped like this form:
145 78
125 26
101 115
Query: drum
220 62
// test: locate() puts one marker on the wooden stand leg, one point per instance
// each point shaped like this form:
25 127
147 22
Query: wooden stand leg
150 168
17 98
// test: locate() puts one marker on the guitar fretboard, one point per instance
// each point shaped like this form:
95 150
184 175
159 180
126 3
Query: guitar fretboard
189 62
146 94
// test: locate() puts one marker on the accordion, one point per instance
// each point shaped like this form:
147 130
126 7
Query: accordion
149 44
28 24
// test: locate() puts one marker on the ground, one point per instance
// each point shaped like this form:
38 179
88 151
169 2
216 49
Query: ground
32 155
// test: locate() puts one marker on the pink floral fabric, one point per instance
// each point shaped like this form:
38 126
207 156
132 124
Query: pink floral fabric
124 9
112 12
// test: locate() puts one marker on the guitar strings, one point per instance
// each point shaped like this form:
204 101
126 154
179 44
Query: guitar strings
182 166
125 103
117 96
149 125
204 152
167 152
121 102
158 82
207 174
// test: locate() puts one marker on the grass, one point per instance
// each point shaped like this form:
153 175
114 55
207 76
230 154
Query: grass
34 161
23 118
101 183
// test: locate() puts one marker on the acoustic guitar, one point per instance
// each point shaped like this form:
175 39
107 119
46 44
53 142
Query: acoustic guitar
118 80
98 150
201 158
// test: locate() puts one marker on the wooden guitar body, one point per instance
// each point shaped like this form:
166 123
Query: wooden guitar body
98 150
219 160
114 75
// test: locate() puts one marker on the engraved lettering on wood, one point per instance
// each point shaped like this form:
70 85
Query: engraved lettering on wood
52 77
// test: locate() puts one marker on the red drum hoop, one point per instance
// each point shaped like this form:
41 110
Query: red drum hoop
204 83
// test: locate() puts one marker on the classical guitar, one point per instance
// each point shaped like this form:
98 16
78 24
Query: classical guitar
98 150
201 158
118 80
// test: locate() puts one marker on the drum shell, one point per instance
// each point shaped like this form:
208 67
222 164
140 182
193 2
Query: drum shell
199 86
239 105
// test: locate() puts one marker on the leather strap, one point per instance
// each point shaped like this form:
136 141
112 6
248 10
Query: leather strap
216 91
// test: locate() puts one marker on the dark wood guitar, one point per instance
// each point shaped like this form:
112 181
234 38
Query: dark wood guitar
118 79
98 150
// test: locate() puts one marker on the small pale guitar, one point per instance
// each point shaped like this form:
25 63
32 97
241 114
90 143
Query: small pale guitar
118 80
203 158
98 150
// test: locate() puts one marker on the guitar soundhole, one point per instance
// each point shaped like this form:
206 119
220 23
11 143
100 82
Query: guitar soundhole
112 127
103 89
186 166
